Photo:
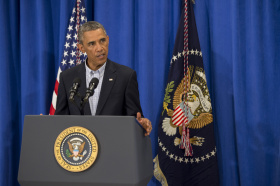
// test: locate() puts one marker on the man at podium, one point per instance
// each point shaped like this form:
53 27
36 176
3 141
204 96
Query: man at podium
99 86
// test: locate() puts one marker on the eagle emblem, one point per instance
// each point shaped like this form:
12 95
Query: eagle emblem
76 148
196 106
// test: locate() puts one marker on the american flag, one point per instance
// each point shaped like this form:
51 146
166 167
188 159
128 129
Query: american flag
72 56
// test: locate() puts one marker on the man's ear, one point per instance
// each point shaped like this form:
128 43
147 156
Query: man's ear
81 47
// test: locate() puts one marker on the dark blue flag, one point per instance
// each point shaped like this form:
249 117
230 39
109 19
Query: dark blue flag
187 150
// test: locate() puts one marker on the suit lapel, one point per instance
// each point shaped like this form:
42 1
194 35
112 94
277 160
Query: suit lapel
83 87
107 84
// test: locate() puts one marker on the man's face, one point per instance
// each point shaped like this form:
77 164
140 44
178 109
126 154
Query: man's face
95 44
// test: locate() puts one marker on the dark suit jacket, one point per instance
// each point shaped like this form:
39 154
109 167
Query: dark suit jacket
120 96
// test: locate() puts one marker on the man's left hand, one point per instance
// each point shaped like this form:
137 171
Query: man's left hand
145 123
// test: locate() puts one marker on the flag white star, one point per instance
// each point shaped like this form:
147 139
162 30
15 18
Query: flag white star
184 52
67 45
160 144
74 45
70 28
71 62
186 160
65 53
72 53
76 36
202 158
192 160
197 160
163 148
74 10
174 58
207 156
192 51
72 19
180 159
200 54
82 18
85 54
167 152
83 9
213 153
176 158
179 54
171 156
68 36
63 62
196 52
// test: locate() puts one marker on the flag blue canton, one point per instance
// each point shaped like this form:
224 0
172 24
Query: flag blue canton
71 54
172 166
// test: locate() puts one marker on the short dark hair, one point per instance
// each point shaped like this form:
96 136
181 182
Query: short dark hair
88 26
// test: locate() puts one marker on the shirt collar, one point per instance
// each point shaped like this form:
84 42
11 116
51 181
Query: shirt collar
100 70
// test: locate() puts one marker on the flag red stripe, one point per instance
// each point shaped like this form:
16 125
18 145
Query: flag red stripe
180 121
56 87
178 118
177 115
52 110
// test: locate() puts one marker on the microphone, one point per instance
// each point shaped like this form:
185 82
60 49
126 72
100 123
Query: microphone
74 88
90 90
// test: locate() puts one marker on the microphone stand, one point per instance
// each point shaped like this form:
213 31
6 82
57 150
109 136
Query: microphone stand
84 101
81 107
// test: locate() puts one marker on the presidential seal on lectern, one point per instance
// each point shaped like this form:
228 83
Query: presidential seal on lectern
75 149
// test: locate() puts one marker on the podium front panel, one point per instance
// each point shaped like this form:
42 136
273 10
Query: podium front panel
124 153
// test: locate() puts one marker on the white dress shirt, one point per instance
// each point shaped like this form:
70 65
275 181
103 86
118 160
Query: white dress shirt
93 100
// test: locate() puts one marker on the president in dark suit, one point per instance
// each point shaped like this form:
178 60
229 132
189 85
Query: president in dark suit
117 92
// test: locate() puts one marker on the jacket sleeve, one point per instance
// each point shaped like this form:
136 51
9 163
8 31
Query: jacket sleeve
132 100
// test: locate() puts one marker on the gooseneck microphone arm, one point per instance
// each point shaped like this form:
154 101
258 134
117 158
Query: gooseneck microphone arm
74 88
89 92
74 91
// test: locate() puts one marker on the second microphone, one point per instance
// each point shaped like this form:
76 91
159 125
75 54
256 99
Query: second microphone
90 90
